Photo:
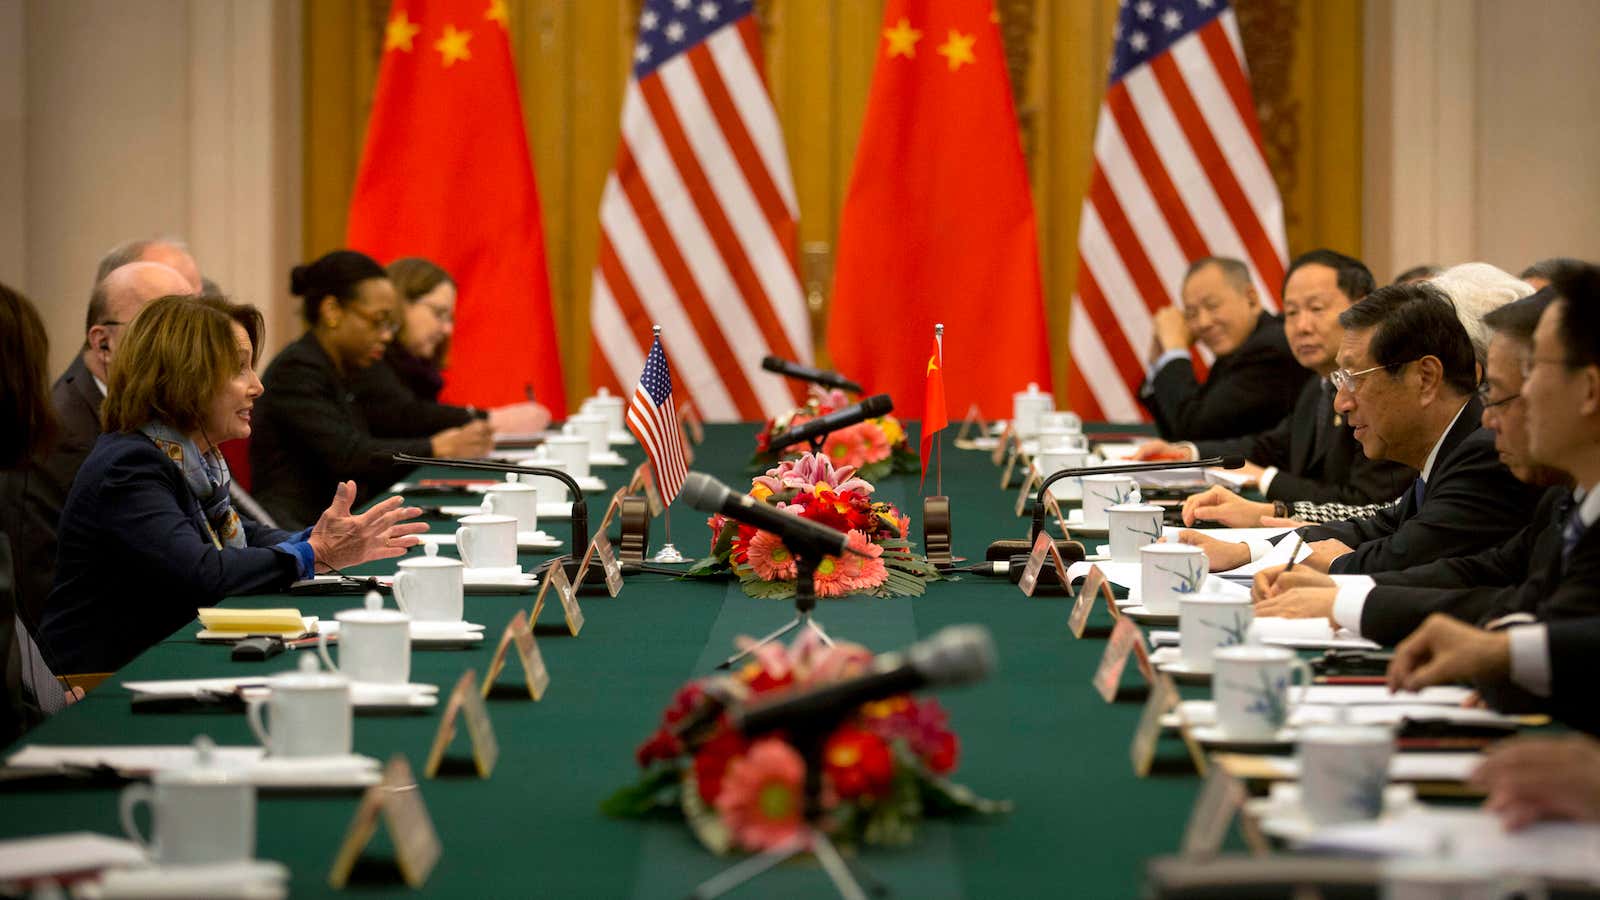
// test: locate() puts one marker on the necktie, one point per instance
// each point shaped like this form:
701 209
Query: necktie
1324 416
1571 534
1419 490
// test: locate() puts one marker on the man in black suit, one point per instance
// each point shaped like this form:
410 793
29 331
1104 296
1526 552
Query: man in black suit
1310 454
1520 575
1254 378
1407 387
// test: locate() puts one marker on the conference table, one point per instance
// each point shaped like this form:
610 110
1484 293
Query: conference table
1036 733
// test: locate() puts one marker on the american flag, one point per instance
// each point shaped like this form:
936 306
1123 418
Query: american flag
653 419
1179 174
698 216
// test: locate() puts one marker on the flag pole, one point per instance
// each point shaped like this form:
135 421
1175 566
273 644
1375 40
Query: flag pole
938 445
668 553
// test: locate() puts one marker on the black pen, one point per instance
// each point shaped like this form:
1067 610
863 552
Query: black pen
1299 541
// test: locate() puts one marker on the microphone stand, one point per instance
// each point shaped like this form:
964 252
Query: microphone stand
812 839
1038 500
805 600
580 507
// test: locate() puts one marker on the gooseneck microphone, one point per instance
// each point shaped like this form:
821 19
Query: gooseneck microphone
959 654
806 373
1221 462
822 426
802 536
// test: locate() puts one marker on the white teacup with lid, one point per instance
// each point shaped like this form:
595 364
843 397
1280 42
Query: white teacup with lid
205 813
572 451
609 405
374 644
516 499
594 427
429 588
310 713
1026 407
487 541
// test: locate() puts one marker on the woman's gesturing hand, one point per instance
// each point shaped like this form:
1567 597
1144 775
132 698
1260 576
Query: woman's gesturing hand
341 538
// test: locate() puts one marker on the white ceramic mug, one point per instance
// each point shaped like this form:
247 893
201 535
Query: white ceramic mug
1052 461
1208 622
515 499
1025 409
551 490
1168 573
487 541
593 427
429 588
572 451
310 713
1062 419
1250 684
1131 526
1343 771
374 644
1102 491
1454 879
609 405
203 814
1057 439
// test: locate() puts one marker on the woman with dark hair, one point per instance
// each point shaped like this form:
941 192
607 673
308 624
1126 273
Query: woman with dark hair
148 534
310 432
399 395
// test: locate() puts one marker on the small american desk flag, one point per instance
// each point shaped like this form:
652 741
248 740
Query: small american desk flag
653 419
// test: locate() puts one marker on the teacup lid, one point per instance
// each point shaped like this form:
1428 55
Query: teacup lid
1172 549
511 485
1253 653
431 558
309 677
1204 599
1133 507
207 768
486 518
373 613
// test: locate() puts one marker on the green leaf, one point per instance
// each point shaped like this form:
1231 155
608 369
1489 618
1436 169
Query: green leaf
654 794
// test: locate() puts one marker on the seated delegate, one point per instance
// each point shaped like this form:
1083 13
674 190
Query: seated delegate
309 431
148 534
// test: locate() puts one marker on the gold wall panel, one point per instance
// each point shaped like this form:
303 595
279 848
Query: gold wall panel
572 59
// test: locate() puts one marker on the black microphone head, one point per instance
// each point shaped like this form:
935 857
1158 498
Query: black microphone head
877 405
703 492
382 457
958 654
1232 461
772 364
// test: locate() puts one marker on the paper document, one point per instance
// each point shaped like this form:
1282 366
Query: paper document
134 761
65 854
1566 851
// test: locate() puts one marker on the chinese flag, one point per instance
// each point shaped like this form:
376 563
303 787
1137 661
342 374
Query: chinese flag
934 415
446 175
938 225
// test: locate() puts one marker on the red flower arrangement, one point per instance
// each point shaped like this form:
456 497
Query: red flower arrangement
883 769
874 448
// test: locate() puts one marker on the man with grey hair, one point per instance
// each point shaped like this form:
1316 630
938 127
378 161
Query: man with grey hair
168 251
1477 289
1254 378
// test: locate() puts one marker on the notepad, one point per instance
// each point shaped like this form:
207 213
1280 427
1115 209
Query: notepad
287 622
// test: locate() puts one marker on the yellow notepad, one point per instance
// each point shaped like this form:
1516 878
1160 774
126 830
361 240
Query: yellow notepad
252 621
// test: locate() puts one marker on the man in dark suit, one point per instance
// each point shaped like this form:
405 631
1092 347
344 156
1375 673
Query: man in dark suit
1254 378
1407 387
1310 454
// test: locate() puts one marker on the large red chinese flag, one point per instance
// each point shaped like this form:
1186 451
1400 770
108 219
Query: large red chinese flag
938 225
446 175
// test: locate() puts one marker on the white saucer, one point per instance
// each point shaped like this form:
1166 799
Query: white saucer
1281 815
1180 671
555 509
426 634
327 772
256 878
1213 736
1074 520
1143 616
610 458
369 695
589 484
526 540
620 439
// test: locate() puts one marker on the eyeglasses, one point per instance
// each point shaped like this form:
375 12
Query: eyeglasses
1483 395
384 324
1529 363
1345 380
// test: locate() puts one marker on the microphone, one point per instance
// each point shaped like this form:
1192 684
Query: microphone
1225 462
959 654
802 536
806 373
822 426
580 507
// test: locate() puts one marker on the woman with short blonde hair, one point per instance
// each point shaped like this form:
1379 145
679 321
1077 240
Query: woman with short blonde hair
148 533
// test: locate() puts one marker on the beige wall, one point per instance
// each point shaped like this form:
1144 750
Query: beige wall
1481 124
142 118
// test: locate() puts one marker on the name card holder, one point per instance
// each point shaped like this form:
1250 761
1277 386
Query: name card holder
466 701
519 634
1043 546
688 416
1094 584
999 452
974 419
1029 486
1220 799
556 576
1012 456
1197 753
397 799
1052 508
1163 697
1126 637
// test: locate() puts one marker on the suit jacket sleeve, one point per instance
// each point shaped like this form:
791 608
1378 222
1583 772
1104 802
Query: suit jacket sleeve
1237 397
1369 480
1574 670
308 413
393 411
1264 448
1392 613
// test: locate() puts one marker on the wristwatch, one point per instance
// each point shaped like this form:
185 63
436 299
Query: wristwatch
1280 509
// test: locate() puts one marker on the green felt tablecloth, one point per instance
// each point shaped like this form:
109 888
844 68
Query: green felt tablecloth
1036 733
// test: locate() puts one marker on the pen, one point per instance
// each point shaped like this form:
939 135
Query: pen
527 391
1299 541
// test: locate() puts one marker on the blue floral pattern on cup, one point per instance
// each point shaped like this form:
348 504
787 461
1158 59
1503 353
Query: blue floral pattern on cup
1190 580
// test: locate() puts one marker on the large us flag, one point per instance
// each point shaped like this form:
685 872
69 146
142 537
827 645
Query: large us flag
698 217
1179 174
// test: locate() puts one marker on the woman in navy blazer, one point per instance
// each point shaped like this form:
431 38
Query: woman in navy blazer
148 534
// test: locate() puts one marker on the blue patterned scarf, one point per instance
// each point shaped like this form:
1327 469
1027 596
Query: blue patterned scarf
208 478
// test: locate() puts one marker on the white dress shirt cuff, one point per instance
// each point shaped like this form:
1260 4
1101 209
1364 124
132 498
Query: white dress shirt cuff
1530 658
1163 359
1258 548
1264 483
1350 600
